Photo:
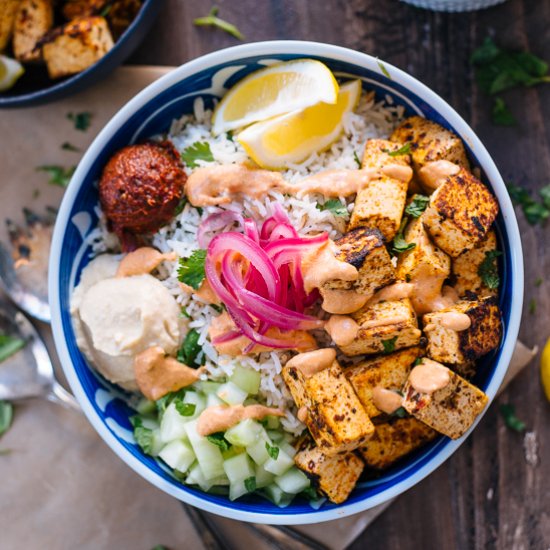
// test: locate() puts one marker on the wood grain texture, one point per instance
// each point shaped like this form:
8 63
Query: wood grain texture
486 495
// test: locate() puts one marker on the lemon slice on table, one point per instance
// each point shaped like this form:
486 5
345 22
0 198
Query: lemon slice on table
273 91
545 369
10 71
293 137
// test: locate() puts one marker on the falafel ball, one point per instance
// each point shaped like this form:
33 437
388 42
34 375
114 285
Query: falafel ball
140 189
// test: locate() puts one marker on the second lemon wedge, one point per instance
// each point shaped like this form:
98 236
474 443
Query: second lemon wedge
293 137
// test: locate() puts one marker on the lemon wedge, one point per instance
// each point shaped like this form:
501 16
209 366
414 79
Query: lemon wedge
275 90
293 137
545 369
10 71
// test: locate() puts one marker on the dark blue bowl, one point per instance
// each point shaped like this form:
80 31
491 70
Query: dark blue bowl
36 87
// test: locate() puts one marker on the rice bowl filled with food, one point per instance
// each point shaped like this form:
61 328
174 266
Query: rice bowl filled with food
294 289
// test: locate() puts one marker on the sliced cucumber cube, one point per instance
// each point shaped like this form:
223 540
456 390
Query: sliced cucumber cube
275 435
231 394
172 425
244 433
276 495
316 504
263 478
146 407
208 387
279 465
272 422
258 450
212 400
247 379
238 468
196 477
208 455
197 399
293 481
178 455
157 442
237 489
287 448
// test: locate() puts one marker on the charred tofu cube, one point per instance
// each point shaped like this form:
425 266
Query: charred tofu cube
77 46
34 18
394 440
380 328
121 14
333 475
442 399
386 371
460 213
466 268
430 142
73 9
364 249
8 10
463 332
329 407
377 154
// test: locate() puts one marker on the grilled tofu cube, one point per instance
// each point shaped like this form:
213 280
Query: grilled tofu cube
460 213
34 18
79 45
8 10
364 249
465 268
377 154
430 142
450 406
386 371
382 327
394 440
333 475
73 9
333 413
448 340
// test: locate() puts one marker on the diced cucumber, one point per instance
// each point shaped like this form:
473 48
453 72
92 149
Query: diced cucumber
145 406
198 400
293 481
279 465
257 450
316 504
238 468
276 495
196 477
157 443
244 433
272 422
178 455
149 423
247 379
237 489
263 478
207 386
287 448
231 394
212 400
208 455
172 425
250 401
275 435
232 451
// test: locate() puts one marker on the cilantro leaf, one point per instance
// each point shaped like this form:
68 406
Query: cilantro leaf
357 159
532 306
6 416
389 345
508 412
417 361
486 53
401 412
539 281
191 269
180 206
142 435
336 207
185 409
189 349
535 212
212 20
272 450
418 204
501 114
545 195
399 243
250 484
9 345
404 150
58 174
310 493
218 440
385 71
70 147
200 150
81 120
488 269
185 313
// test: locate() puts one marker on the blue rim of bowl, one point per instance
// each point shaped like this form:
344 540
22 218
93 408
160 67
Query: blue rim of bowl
441 449
122 48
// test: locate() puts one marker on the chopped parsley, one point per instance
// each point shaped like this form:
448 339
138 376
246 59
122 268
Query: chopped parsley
357 159
389 345
9 345
401 412
6 416
532 306
212 20
81 120
250 484
385 71
417 361
59 175
70 147
142 435
185 409
488 269
191 269
189 349
418 204
200 150
399 244
501 114
535 211
181 205
218 440
508 412
185 313
272 450
404 150
335 207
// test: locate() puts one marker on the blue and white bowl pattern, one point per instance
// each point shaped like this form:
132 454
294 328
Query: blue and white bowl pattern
151 112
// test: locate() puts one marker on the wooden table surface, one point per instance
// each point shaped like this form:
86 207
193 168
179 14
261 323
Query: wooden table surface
486 495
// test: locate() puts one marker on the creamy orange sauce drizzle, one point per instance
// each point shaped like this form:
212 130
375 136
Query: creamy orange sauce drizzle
142 261
302 414
386 400
158 374
205 292
220 418
342 329
313 362
452 320
433 174
384 322
429 376
342 302
391 293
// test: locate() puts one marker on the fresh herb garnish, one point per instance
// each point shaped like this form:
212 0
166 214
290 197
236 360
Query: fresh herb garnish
189 349
272 450
399 243
70 147
185 313
401 412
535 212
532 306
180 206
310 493
4 452
6 416
185 409
510 419
229 135
198 151
336 208
389 345
81 120
218 440
191 269
212 20
418 204
142 435
104 13
538 281
488 269
357 159
9 345
404 150
501 114
250 484
58 174
417 361
385 71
